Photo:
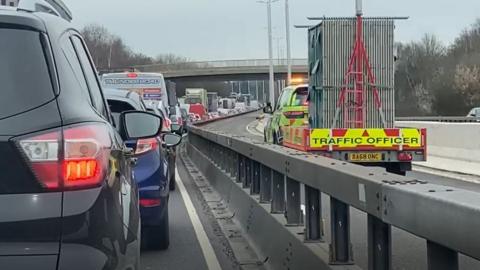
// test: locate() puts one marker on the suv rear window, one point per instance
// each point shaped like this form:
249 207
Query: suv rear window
301 96
24 74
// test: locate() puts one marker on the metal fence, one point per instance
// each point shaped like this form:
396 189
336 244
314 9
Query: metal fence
447 218
330 48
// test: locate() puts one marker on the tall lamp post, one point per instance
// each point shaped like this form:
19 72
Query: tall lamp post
289 55
270 50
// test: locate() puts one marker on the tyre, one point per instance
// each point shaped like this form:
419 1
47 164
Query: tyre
279 137
275 140
172 181
158 237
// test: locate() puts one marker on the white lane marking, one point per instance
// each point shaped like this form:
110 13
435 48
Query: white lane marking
447 174
255 133
207 249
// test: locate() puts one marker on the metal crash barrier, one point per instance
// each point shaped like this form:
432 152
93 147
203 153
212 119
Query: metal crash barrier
447 218
443 119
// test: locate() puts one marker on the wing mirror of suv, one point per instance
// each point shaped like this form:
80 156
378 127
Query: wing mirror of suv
268 108
175 128
171 140
136 125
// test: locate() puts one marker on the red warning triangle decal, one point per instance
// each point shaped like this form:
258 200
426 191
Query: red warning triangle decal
365 133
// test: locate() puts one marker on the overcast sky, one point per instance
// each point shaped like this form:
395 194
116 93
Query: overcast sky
236 29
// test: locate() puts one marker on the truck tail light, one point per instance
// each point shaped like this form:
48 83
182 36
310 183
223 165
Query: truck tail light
146 145
404 156
75 157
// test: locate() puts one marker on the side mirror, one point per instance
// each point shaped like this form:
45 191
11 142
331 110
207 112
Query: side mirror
136 125
171 140
267 110
176 128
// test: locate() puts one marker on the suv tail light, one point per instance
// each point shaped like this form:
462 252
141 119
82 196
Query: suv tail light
146 145
149 202
167 124
71 158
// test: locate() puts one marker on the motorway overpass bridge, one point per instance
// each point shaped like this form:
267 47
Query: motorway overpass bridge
240 76
227 70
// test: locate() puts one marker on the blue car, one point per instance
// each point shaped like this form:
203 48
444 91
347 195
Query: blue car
151 171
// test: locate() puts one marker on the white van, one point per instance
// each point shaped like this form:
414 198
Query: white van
151 86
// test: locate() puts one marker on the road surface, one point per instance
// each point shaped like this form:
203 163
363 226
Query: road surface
186 251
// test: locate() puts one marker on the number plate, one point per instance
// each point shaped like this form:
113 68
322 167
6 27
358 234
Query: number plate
366 157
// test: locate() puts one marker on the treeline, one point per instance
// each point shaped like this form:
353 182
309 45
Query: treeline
109 51
434 79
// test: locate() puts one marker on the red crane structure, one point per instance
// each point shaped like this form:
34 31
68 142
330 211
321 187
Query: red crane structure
353 93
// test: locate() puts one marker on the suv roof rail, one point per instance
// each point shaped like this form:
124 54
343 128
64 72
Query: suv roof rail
55 7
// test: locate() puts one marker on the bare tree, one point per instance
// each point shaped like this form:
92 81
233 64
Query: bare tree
418 68
110 52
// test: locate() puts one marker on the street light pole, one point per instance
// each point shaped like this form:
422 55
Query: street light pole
270 50
270 53
289 55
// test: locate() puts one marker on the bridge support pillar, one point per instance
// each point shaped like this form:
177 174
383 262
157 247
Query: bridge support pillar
379 244
340 247
221 159
278 193
294 213
248 173
234 165
313 215
255 185
265 184
227 163
441 258
241 169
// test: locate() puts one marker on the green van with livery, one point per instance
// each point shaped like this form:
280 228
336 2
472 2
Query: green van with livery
290 110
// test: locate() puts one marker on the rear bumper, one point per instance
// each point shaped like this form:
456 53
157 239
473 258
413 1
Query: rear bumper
153 216
38 262
100 228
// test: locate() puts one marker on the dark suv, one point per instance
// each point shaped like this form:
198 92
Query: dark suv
67 197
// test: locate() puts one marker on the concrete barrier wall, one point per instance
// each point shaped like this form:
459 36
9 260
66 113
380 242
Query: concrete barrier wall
451 146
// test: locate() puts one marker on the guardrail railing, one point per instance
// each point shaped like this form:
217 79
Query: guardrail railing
448 119
447 218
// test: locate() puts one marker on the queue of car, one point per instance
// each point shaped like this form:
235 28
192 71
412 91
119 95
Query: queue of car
89 169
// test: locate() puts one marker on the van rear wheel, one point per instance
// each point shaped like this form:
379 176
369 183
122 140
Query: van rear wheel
275 139
172 182
157 237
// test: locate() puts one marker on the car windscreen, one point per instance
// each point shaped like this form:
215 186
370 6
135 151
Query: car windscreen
24 73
